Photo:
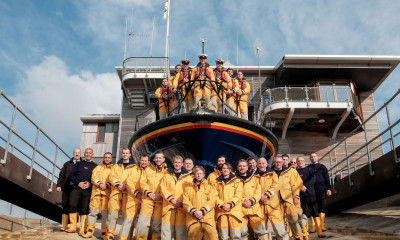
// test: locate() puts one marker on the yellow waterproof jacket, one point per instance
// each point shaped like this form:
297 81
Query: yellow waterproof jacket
230 192
200 73
172 188
290 184
163 91
269 183
118 175
151 179
224 78
251 191
199 197
100 176
173 80
244 86
213 176
133 186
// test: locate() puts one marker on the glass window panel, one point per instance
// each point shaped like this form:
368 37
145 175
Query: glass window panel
342 93
101 132
326 92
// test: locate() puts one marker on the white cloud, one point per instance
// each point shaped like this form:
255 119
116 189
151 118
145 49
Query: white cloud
56 100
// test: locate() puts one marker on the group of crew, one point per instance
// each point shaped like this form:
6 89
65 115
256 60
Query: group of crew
180 203
219 88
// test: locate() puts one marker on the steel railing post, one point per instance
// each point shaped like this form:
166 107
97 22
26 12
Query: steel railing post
54 169
348 162
371 172
4 160
391 135
34 153
286 96
307 98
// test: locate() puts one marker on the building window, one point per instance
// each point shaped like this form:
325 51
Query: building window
101 132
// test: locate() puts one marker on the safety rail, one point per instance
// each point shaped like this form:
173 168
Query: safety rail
146 65
53 167
308 94
335 167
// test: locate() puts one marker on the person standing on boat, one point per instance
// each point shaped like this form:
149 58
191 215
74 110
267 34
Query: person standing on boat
79 198
290 184
203 75
230 94
151 209
217 170
229 204
165 104
250 203
173 85
243 89
199 199
118 197
322 188
172 187
100 196
65 185
185 87
223 83
307 198
269 201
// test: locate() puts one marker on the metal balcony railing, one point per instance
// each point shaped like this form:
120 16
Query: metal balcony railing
34 152
325 93
351 161
146 65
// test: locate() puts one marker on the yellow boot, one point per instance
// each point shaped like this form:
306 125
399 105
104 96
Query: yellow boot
304 231
322 217
123 238
104 233
83 225
313 227
110 233
64 222
73 218
318 226
90 230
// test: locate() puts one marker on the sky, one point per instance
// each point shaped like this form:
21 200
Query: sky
58 58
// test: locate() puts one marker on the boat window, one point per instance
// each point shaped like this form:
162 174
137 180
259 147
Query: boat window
101 132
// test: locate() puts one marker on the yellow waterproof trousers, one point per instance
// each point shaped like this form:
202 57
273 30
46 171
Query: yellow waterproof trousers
174 225
149 211
115 204
200 230
229 227
290 211
275 217
131 214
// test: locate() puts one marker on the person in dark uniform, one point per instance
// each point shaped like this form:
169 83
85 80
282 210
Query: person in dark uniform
307 198
65 185
322 187
79 198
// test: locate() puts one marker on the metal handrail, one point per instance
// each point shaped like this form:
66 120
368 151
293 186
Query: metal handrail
39 132
366 145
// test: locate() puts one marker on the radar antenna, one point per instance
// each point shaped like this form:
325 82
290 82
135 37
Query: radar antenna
131 34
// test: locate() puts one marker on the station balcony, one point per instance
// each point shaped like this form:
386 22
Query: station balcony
326 108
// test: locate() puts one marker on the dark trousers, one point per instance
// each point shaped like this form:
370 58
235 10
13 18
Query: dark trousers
321 201
65 200
79 201
309 206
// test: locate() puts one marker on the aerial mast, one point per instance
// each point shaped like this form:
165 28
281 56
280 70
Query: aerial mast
203 41
166 16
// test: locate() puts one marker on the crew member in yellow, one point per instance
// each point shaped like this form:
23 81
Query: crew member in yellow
202 74
229 204
270 199
243 89
134 198
185 87
217 170
100 196
151 208
250 203
290 184
173 85
165 103
172 187
230 94
199 199
223 83
118 196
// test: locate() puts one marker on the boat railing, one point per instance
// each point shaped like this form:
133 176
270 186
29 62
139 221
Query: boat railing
307 94
25 139
383 140
146 65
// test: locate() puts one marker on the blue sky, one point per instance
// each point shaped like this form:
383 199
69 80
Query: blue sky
57 57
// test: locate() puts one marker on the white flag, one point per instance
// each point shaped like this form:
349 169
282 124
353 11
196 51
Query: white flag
166 10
